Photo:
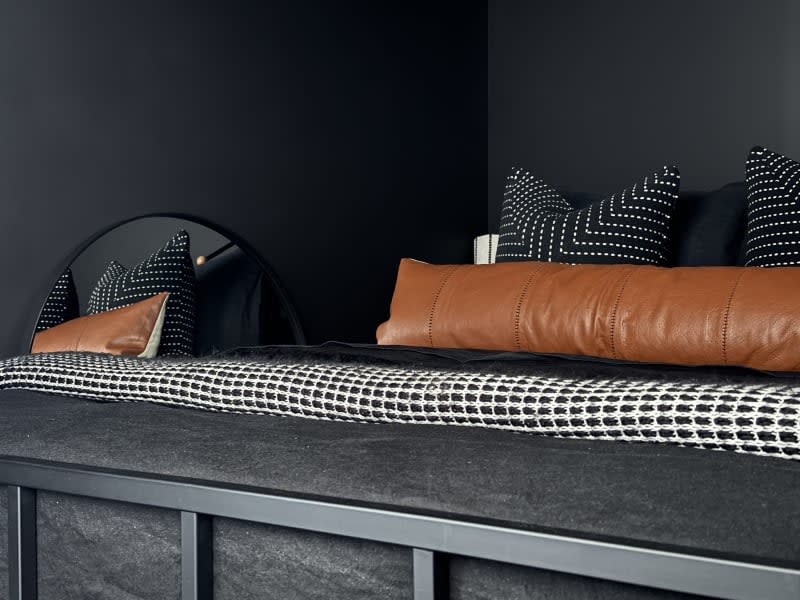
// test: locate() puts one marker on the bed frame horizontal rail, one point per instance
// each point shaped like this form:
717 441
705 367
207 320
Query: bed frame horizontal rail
432 538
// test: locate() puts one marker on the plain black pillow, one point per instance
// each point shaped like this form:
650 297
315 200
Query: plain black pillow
228 303
238 305
708 228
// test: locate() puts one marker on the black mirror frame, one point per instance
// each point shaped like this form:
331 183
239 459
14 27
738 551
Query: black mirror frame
266 268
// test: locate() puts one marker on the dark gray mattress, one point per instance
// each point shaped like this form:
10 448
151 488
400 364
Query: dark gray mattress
719 503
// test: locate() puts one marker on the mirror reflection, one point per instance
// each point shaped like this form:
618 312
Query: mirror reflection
166 287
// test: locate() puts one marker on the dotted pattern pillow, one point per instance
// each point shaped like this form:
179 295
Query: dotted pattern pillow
61 305
169 269
538 223
773 209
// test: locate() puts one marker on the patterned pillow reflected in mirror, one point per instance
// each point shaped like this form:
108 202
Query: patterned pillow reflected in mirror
169 269
61 305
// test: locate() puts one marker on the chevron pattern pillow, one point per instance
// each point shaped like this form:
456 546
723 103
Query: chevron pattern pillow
169 269
61 305
772 238
633 226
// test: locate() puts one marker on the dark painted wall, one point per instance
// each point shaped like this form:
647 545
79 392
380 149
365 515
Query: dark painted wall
592 96
336 137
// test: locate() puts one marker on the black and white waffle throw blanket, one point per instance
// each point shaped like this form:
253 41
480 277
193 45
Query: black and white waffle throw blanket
721 409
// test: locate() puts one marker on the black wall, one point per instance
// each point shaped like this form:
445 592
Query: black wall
336 137
593 95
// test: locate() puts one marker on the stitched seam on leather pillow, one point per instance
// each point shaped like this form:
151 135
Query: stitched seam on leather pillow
725 319
518 312
442 284
79 337
613 321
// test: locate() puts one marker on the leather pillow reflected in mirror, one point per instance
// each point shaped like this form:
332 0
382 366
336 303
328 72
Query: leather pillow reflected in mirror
133 330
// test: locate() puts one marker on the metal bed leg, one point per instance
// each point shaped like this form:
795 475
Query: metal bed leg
197 562
430 575
22 574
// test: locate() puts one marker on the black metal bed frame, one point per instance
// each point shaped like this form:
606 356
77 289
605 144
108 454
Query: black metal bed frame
431 539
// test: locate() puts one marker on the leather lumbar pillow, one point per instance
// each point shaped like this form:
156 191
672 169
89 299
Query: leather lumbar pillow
133 330
686 315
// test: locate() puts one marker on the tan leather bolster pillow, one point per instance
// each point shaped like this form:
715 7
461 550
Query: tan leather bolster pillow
746 316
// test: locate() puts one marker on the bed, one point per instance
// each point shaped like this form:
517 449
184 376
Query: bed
361 471
297 492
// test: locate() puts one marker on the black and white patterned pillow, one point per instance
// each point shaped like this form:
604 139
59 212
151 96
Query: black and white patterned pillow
633 226
773 209
61 305
169 269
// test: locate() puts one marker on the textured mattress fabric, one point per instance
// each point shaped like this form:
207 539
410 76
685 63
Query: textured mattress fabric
265 562
91 548
3 543
97 549
486 580
722 410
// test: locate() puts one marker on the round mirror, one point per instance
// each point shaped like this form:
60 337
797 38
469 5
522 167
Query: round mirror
221 294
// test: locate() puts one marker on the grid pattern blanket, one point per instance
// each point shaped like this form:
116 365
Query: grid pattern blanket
759 415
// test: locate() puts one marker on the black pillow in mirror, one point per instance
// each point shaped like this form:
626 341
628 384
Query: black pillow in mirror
169 269
228 303
633 226
61 305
